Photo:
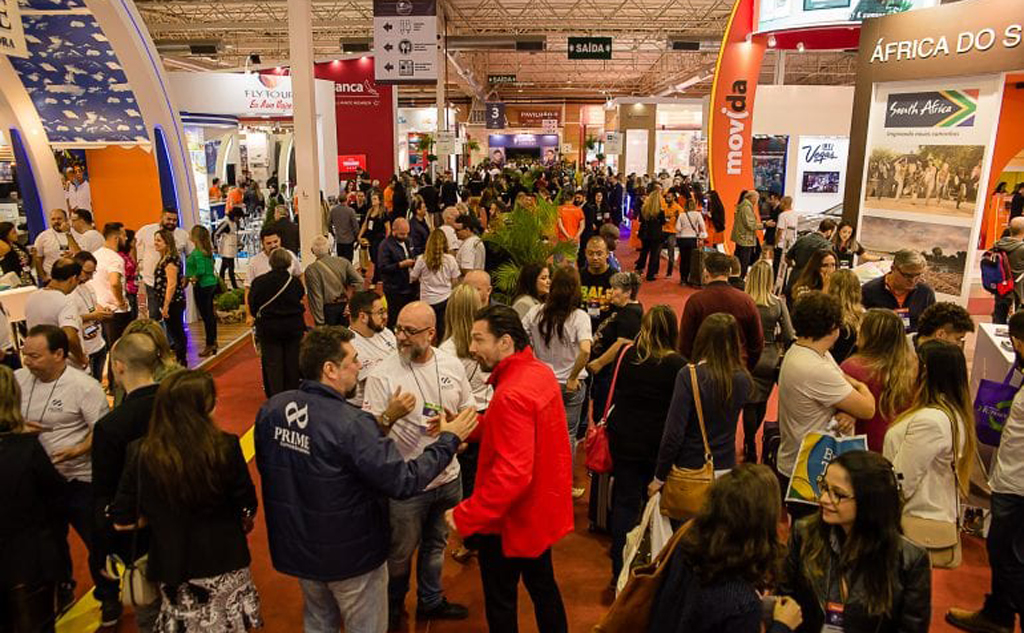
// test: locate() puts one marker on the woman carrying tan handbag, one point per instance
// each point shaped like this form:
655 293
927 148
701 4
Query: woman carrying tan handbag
700 430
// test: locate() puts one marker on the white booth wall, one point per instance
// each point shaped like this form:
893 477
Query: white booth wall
816 114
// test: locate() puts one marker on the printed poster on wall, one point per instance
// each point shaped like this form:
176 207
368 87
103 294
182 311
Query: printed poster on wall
928 151
821 171
12 33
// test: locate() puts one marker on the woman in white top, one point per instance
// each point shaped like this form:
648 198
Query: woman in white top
437 272
560 336
690 230
226 238
921 442
532 286
786 227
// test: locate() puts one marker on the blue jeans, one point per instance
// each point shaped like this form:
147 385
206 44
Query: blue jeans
359 602
419 522
573 402
1005 546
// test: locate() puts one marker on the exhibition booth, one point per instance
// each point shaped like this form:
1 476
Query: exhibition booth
657 134
415 124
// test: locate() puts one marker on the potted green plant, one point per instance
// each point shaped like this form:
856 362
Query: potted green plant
590 143
525 234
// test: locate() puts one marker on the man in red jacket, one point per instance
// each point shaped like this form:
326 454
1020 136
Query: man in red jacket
522 503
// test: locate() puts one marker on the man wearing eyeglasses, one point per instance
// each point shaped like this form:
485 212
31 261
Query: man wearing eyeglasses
437 381
902 289
373 340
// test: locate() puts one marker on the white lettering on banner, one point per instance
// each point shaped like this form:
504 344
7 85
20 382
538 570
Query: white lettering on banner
928 47
930 106
737 111
294 440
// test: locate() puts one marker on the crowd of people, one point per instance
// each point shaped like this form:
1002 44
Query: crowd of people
423 407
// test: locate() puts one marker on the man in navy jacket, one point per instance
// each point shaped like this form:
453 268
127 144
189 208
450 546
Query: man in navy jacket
327 471
396 258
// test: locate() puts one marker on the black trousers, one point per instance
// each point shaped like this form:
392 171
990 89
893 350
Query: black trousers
629 494
279 359
79 512
175 324
650 256
1005 546
686 247
746 256
500 577
204 301
227 265
439 309
347 251
395 304
753 416
28 609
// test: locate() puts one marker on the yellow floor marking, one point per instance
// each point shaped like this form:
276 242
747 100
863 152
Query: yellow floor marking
84 616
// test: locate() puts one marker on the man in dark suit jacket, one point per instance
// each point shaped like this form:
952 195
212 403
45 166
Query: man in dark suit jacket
133 361
396 259
449 192
719 296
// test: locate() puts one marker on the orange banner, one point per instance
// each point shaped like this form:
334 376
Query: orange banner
732 108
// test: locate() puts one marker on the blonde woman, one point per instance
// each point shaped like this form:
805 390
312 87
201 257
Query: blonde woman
932 446
778 335
886 363
652 219
437 272
845 286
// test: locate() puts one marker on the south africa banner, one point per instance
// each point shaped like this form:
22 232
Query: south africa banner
940 108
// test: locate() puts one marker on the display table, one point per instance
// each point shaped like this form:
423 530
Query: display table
14 301
992 359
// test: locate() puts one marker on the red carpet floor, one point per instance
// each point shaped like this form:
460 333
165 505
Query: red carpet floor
581 559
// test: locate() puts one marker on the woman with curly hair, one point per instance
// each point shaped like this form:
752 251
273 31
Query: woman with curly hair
729 552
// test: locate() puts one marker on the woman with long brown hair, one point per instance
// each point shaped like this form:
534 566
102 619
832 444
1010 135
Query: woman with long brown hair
437 273
637 408
886 363
561 338
188 482
376 227
169 282
723 386
730 551
844 285
30 547
815 275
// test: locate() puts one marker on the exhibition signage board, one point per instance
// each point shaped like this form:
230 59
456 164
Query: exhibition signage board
612 143
730 159
351 163
239 94
590 48
821 170
445 143
550 126
12 34
533 116
494 115
497 80
405 41
780 15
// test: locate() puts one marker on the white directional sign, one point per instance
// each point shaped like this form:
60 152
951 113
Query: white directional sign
445 143
612 143
405 41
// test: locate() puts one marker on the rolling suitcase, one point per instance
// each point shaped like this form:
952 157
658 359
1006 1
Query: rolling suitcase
599 510
695 277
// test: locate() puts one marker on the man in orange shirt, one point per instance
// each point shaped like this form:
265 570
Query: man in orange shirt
235 198
215 194
672 211
570 221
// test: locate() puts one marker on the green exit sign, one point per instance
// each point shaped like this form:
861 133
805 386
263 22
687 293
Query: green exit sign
590 48
495 80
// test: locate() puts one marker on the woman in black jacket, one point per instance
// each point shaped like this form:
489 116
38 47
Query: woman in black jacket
188 483
636 419
729 552
275 300
849 562
652 219
30 558
724 385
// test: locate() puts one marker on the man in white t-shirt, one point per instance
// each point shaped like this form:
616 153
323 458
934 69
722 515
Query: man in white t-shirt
93 315
438 382
109 283
812 388
448 228
373 340
52 244
149 257
52 305
87 238
259 264
63 404
77 192
472 255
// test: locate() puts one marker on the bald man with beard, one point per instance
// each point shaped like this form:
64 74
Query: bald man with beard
396 259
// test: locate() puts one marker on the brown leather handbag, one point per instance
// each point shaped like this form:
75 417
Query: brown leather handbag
686 488
631 611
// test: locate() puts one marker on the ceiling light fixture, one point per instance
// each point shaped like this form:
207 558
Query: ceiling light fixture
772 42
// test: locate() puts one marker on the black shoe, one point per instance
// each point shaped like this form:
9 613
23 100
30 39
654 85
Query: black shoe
65 597
443 611
110 612
395 619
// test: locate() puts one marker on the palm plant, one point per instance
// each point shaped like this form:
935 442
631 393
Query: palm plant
526 233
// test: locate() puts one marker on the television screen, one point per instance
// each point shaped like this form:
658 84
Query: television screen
821 182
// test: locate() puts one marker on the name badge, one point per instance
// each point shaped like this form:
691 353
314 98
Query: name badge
430 410
904 315
833 618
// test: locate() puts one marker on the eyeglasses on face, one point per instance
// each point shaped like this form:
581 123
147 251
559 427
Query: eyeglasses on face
837 496
909 275
401 330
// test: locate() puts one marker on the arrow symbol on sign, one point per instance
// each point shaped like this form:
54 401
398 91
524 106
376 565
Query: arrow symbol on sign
388 46
388 67
387 26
